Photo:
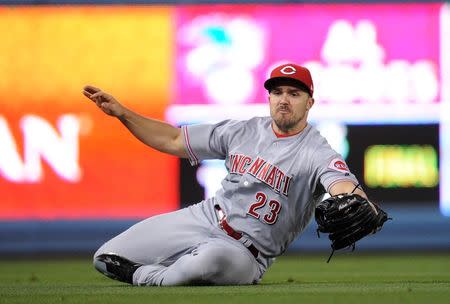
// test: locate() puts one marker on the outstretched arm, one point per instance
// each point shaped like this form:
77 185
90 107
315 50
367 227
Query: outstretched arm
154 133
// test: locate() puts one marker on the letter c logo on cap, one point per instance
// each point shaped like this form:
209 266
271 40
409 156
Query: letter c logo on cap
288 70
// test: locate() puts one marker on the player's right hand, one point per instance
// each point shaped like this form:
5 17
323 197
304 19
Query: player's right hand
107 103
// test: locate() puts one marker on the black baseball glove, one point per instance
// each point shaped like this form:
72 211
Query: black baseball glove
348 218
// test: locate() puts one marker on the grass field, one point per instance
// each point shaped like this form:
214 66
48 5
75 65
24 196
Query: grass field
347 279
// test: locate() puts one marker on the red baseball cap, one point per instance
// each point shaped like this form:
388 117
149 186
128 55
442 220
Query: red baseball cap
292 72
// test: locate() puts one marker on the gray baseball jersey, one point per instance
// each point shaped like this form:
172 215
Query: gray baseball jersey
269 196
273 183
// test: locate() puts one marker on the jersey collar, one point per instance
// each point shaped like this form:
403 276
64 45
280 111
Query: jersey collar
278 135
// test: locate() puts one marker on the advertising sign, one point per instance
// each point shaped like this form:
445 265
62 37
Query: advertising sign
60 156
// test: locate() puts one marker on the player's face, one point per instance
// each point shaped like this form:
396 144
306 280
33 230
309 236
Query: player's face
289 108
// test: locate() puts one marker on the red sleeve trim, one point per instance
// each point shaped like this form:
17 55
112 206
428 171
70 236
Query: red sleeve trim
193 158
339 180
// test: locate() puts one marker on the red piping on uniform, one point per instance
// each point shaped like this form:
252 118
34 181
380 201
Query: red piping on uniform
191 153
278 135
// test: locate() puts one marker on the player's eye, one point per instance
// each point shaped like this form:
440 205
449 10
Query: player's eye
276 92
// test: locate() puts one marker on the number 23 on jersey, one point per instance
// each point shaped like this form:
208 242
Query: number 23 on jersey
271 216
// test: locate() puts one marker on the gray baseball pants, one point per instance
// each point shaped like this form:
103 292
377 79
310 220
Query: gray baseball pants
186 247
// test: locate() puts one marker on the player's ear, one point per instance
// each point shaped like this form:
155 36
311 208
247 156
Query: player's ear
309 103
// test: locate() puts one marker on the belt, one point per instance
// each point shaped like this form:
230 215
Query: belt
231 232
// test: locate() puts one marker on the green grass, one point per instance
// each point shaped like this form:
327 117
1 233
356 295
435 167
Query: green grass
347 279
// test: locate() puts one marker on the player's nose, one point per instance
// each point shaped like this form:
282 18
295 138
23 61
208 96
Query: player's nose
284 98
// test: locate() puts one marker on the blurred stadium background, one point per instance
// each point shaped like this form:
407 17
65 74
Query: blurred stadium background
71 178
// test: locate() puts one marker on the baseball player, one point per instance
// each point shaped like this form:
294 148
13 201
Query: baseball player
279 168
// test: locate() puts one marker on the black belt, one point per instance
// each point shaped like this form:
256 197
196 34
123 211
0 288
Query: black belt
233 233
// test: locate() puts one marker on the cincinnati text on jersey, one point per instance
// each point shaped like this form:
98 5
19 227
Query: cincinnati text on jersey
262 170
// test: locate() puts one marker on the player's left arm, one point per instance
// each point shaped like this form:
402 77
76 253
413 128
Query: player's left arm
346 187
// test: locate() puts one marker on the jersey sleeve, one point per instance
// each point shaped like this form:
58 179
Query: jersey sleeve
208 141
331 169
336 171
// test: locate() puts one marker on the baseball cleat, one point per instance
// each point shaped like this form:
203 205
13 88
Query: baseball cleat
116 267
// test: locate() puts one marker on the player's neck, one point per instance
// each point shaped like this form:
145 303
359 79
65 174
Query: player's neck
280 133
